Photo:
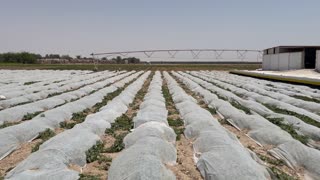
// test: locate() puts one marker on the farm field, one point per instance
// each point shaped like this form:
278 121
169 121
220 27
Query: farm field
172 123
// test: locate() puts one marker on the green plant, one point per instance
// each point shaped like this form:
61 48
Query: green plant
223 121
167 96
53 94
80 116
179 132
36 147
47 134
93 153
240 106
305 98
107 98
175 123
289 128
304 118
30 82
275 162
250 147
118 145
121 123
240 95
57 81
104 159
269 85
222 97
30 115
212 110
280 175
7 124
44 136
67 125
89 177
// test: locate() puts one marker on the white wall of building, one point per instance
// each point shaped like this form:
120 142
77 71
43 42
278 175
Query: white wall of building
266 61
283 61
274 62
318 61
296 61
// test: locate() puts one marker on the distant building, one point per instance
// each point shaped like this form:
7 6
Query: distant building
291 57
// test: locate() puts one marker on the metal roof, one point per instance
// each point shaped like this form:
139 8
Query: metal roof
295 47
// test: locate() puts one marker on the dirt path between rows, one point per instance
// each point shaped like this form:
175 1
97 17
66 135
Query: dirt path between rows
185 169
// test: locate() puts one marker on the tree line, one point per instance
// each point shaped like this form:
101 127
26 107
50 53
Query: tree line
128 60
21 57
32 58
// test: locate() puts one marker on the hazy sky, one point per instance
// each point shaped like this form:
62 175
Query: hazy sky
82 27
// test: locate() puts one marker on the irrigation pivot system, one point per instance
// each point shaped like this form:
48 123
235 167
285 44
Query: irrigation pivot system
238 55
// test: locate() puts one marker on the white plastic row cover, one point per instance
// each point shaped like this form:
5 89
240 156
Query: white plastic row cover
217 149
44 91
16 113
55 155
261 130
151 144
12 137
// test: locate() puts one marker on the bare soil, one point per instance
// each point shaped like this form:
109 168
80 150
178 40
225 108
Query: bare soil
185 167
16 157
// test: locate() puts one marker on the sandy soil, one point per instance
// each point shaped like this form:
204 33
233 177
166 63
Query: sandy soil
185 167
16 157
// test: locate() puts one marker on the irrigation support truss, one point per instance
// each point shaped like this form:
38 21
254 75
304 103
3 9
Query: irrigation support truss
239 54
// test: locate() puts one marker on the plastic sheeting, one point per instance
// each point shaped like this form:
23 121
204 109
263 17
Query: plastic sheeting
27 131
220 154
51 84
69 147
28 95
254 86
17 113
300 126
151 144
39 77
281 87
261 130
